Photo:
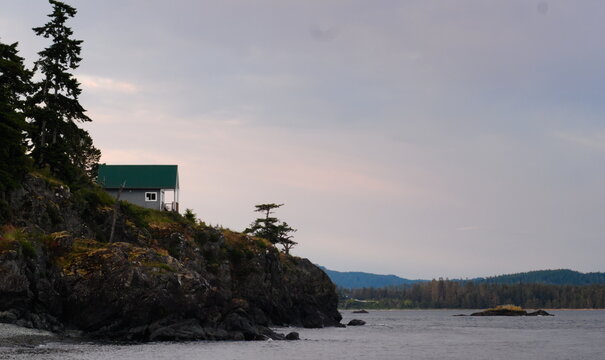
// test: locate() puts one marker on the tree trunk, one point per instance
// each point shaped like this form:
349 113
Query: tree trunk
115 213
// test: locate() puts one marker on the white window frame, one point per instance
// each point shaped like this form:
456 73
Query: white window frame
147 197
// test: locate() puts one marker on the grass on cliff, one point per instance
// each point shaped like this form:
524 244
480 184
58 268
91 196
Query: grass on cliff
79 247
46 175
12 238
9 235
82 248
240 240
240 249
143 217
95 196
244 245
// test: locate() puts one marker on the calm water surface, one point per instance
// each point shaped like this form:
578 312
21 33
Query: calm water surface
411 334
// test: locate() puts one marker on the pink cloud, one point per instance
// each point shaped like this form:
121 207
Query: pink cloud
91 82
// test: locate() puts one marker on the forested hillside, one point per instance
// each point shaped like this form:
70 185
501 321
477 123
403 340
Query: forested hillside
553 277
354 280
535 289
441 293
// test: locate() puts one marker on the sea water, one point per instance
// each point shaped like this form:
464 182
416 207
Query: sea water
407 334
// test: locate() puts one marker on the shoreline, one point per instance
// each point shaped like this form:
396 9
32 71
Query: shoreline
469 309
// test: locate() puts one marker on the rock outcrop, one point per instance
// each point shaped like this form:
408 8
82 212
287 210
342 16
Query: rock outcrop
293 336
163 278
539 313
356 322
509 310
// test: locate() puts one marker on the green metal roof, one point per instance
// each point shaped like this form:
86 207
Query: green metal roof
139 176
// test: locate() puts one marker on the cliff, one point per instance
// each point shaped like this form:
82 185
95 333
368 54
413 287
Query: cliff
162 278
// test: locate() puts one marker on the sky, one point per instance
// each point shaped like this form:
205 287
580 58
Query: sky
419 138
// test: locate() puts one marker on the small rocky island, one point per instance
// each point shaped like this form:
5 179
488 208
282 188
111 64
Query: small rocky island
163 277
510 310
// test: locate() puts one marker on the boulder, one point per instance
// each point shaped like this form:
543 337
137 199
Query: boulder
293 336
356 322
500 312
185 330
539 313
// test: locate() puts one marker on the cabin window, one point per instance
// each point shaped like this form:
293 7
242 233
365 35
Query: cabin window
151 196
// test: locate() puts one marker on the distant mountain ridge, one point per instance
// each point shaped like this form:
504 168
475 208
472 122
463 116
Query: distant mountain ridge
355 279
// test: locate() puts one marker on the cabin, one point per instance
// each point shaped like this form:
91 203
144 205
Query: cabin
150 186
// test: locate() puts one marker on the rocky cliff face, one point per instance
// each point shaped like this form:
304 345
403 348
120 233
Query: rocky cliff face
161 279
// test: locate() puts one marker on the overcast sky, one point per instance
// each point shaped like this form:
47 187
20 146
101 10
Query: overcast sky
418 138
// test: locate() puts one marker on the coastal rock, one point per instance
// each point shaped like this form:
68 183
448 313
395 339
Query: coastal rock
159 280
9 316
185 330
293 336
509 310
539 313
362 311
356 322
499 312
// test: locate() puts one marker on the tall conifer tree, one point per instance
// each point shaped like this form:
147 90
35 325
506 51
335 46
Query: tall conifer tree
14 87
58 141
271 228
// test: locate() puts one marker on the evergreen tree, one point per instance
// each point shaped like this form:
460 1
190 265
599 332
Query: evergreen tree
190 216
58 142
271 228
265 227
14 87
284 238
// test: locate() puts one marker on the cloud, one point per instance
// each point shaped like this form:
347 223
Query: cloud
91 82
330 179
594 141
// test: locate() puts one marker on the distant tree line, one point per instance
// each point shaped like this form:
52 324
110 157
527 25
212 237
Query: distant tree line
554 277
40 112
439 294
